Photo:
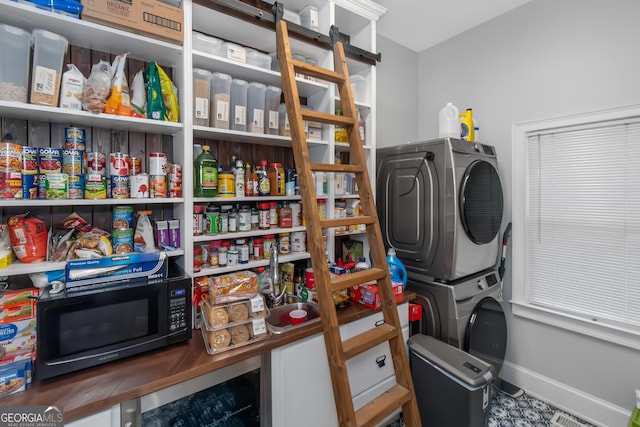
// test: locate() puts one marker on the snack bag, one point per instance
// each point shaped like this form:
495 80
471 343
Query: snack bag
119 102
97 87
168 96
29 237
72 88
138 95
155 104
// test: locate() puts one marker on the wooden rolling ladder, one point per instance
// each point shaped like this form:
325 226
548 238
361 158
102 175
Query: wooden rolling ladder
402 394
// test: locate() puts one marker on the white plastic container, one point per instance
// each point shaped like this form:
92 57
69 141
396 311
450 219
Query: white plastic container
448 122
48 53
220 100
258 59
271 104
201 94
275 65
309 18
15 49
234 52
359 88
206 44
238 105
255 107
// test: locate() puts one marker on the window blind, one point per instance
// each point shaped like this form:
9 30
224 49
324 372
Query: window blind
583 221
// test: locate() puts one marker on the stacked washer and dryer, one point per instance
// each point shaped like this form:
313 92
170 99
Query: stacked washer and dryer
440 205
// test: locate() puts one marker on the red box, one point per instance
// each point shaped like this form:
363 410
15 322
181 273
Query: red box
415 312
369 296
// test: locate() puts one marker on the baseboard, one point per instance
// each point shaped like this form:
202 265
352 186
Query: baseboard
562 396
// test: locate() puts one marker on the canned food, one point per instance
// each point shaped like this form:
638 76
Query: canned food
175 189
158 186
73 162
10 157
122 217
175 172
10 185
139 185
96 163
29 160
57 186
49 160
119 187
95 187
42 186
119 164
122 240
157 164
75 187
135 165
29 186
74 138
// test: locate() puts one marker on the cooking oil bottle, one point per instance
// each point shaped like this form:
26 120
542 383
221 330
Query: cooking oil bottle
205 172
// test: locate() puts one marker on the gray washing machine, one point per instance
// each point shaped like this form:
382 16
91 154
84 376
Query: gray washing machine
466 314
440 205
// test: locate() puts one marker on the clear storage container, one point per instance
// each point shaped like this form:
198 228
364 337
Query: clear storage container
309 18
206 44
258 59
238 105
275 65
283 121
15 50
234 52
271 104
255 107
220 100
48 53
359 88
201 82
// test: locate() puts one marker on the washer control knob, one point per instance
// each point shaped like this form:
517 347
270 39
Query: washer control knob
482 285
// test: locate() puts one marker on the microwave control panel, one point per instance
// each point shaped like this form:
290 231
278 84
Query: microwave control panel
178 305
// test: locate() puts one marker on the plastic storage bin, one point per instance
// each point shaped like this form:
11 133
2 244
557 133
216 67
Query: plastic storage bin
255 107
271 103
48 53
283 121
201 93
258 59
220 100
452 387
309 18
238 105
206 44
275 65
359 88
15 49
291 16
234 52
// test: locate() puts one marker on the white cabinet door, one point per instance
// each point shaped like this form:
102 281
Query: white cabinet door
107 418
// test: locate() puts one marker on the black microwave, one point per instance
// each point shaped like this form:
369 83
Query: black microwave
84 329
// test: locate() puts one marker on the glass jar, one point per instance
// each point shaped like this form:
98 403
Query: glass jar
244 219
223 258
255 218
273 214
224 219
243 251
284 243
264 210
233 221
258 249
269 239
214 248
285 216
232 257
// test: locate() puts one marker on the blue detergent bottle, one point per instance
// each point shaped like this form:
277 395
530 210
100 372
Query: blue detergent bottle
396 268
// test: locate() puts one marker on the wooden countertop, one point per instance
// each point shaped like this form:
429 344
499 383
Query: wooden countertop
95 389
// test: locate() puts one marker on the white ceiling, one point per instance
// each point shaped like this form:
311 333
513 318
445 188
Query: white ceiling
420 24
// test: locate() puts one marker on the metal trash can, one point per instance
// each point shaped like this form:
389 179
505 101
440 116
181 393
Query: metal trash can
452 387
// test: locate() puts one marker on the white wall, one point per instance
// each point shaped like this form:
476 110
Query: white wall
397 97
545 59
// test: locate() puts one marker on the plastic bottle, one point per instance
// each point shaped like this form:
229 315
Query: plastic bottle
276 179
449 122
634 421
466 126
205 173
239 174
396 268
361 265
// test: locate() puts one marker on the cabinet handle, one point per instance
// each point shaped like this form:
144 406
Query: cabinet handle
381 360
379 322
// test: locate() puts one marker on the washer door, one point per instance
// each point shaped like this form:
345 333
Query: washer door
486 334
481 203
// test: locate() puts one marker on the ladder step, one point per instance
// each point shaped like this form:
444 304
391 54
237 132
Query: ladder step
383 406
318 72
345 222
345 281
329 167
367 340
332 119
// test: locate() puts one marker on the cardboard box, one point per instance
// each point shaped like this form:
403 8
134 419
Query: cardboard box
369 296
151 18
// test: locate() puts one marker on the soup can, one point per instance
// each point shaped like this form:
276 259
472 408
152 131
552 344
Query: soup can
29 186
57 186
10 185
118 164
49 160
74 138
95 186
139 185
119 187
175 189
122 217
29 161
157 164
135 165
10 157
158 186
175 172
75 189
42 186
96 163
122 240
73 162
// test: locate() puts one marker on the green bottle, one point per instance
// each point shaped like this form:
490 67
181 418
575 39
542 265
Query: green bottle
634 421
205 172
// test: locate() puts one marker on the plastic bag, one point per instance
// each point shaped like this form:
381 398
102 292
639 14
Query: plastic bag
97 87
143 235
155 104
119 102
72 88
138 95
169 96
29 237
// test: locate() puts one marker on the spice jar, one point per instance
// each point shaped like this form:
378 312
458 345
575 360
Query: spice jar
224 219
198 220
213 254
197 259
273 214
322 208
269 239
285 217
258 249
264 210
284 243
232 257
243 251
244 219
233 221
255 218
223 254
